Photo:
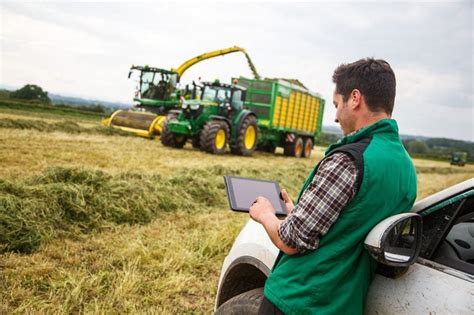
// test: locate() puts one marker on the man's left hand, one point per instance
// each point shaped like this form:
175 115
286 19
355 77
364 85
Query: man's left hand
261 209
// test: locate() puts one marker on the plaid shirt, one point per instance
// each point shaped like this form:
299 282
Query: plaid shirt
332 188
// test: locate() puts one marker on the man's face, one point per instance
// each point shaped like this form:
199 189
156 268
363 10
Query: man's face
344 114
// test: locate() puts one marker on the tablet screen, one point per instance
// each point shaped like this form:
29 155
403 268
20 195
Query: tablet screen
242 192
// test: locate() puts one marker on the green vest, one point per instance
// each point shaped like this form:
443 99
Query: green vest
335 277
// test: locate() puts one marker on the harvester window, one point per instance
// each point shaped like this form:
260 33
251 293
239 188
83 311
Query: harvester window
147 79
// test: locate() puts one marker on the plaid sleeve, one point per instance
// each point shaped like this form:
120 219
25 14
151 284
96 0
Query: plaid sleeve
332 188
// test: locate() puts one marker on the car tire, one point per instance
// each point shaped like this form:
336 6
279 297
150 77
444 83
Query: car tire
245 303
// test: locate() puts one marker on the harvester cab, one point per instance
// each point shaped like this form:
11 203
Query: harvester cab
158 93
214 121
157 89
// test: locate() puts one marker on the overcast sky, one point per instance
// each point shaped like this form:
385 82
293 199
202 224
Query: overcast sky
85 49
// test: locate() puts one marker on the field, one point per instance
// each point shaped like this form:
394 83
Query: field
94 221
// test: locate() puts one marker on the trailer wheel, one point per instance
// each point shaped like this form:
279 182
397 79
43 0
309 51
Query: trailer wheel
170 139
247 137
294 148
308 147
245 303
214 137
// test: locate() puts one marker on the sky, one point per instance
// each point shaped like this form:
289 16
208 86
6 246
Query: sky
86 48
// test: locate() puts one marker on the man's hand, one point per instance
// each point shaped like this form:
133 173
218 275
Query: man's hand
261 209
289 204
263 212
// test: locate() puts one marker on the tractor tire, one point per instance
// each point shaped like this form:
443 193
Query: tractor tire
307 147
214 137
245 303
170 139
247 137
294 148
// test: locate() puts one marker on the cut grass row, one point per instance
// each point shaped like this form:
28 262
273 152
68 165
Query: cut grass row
67 126
67 202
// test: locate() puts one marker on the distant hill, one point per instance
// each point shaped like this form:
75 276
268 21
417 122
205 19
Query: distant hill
73 101
333 130
69 100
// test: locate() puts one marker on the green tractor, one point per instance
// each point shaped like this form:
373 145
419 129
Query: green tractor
459 158
212 122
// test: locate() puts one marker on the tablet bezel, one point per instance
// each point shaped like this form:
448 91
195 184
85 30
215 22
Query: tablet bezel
233 203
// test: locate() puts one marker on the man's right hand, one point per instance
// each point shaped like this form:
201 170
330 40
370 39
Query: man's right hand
289 204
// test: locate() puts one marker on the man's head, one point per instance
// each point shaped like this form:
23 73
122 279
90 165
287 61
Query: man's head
364 93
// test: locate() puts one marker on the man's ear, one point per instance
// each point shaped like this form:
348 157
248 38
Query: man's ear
355 98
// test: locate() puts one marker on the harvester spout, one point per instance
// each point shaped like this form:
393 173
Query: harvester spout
187 64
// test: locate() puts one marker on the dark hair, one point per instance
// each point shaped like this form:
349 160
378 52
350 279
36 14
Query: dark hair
374 78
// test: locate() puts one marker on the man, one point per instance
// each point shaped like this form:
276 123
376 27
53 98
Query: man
365 177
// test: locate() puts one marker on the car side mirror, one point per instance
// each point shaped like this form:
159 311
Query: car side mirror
396 241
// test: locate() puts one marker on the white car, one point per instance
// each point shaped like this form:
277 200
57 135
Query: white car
426 260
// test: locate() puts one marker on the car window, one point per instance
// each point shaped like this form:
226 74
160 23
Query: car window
448 233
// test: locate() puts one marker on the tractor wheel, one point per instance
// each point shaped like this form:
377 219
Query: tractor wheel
247 137
214 137
307 148
294 148
170 139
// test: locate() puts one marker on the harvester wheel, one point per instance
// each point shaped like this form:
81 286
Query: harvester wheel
170 139
247 137
294 148
214 137
308 147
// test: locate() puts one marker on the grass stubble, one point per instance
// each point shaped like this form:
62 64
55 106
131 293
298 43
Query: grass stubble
96 223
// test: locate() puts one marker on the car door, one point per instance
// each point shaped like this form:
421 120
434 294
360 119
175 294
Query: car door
442 280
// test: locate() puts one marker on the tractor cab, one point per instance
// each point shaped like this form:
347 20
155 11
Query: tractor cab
228 97
459 158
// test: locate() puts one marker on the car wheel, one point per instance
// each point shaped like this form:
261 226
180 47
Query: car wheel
245 303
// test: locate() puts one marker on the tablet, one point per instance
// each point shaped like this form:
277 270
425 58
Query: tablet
242 192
